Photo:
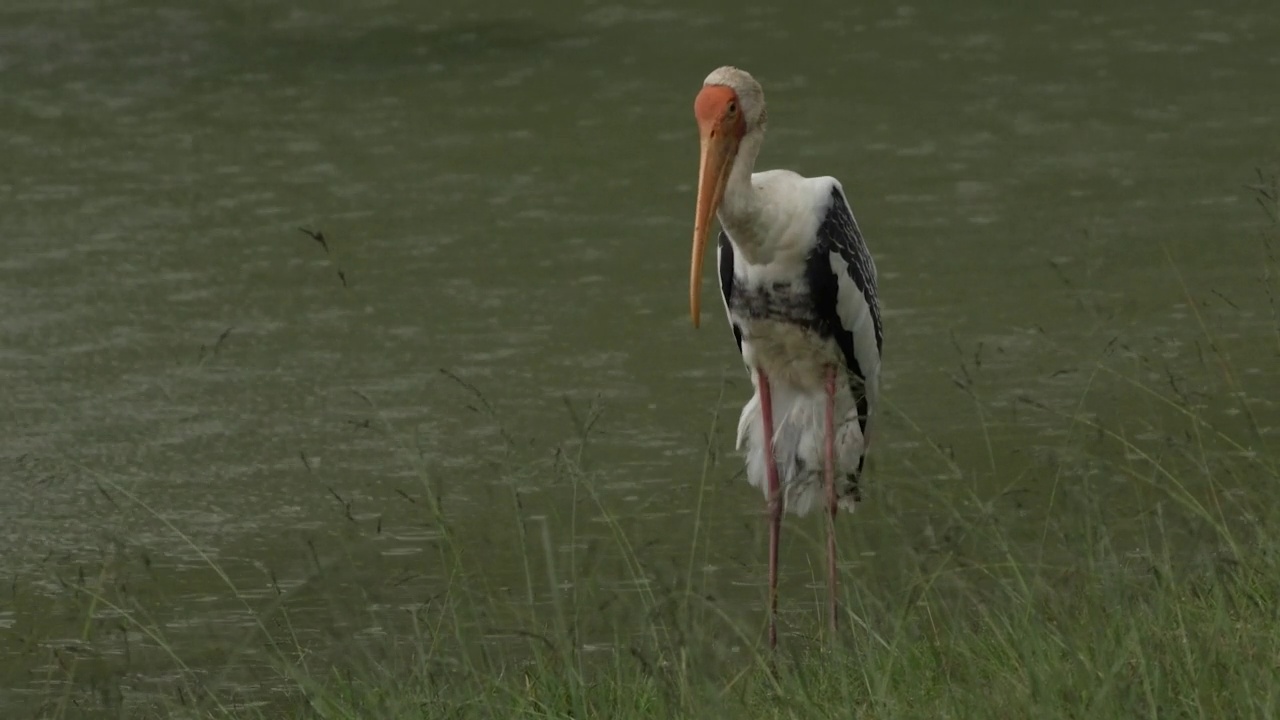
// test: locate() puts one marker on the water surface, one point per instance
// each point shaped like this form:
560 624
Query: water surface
506 194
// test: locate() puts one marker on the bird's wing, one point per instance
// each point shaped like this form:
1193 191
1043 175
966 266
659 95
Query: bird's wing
842 278
724 259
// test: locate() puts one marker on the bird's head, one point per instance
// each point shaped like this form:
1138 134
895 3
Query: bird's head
730 105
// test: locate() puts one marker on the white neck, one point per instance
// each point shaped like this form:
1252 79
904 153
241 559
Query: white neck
742 212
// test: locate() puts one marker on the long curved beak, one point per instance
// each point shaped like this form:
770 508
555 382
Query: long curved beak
718 151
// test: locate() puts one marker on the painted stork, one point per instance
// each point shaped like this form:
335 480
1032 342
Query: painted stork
799 287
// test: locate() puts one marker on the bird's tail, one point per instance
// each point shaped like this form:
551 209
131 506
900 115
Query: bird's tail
798 427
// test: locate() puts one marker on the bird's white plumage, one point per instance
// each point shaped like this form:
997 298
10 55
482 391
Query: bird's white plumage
775 222
779 224
799 288
799 422
790 209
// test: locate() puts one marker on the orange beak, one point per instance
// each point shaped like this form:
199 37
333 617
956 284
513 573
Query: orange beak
720 125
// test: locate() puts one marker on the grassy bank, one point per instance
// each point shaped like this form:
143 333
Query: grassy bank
1113 636
1139 580
1171 612
1208 649
1066 606
1100 641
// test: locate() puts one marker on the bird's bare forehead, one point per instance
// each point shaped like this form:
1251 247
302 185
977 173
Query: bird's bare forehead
711 102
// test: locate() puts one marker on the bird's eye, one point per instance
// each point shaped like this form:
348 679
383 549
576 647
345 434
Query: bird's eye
733 107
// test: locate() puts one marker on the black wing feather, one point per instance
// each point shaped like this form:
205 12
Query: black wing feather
726 281
839 233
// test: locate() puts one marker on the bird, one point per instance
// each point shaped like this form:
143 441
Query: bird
800 292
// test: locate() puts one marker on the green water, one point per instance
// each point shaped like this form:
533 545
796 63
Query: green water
506 191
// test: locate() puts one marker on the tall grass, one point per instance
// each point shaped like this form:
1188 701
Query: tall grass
1169 613
1169 610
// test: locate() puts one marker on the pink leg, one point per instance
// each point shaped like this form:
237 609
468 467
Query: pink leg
830 472
775 505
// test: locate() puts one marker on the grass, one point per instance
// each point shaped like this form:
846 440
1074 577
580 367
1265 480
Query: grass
1169 612
1095 641
1144 584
